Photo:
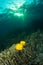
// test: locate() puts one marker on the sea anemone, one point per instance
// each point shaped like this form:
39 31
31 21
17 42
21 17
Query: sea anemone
31 54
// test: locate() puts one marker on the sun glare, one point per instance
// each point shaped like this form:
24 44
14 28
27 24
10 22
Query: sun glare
18 14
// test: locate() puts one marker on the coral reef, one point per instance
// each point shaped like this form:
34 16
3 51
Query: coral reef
32 54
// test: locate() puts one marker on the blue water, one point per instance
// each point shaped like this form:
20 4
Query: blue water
18 16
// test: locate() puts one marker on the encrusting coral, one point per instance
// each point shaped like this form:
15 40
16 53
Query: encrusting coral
29 52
